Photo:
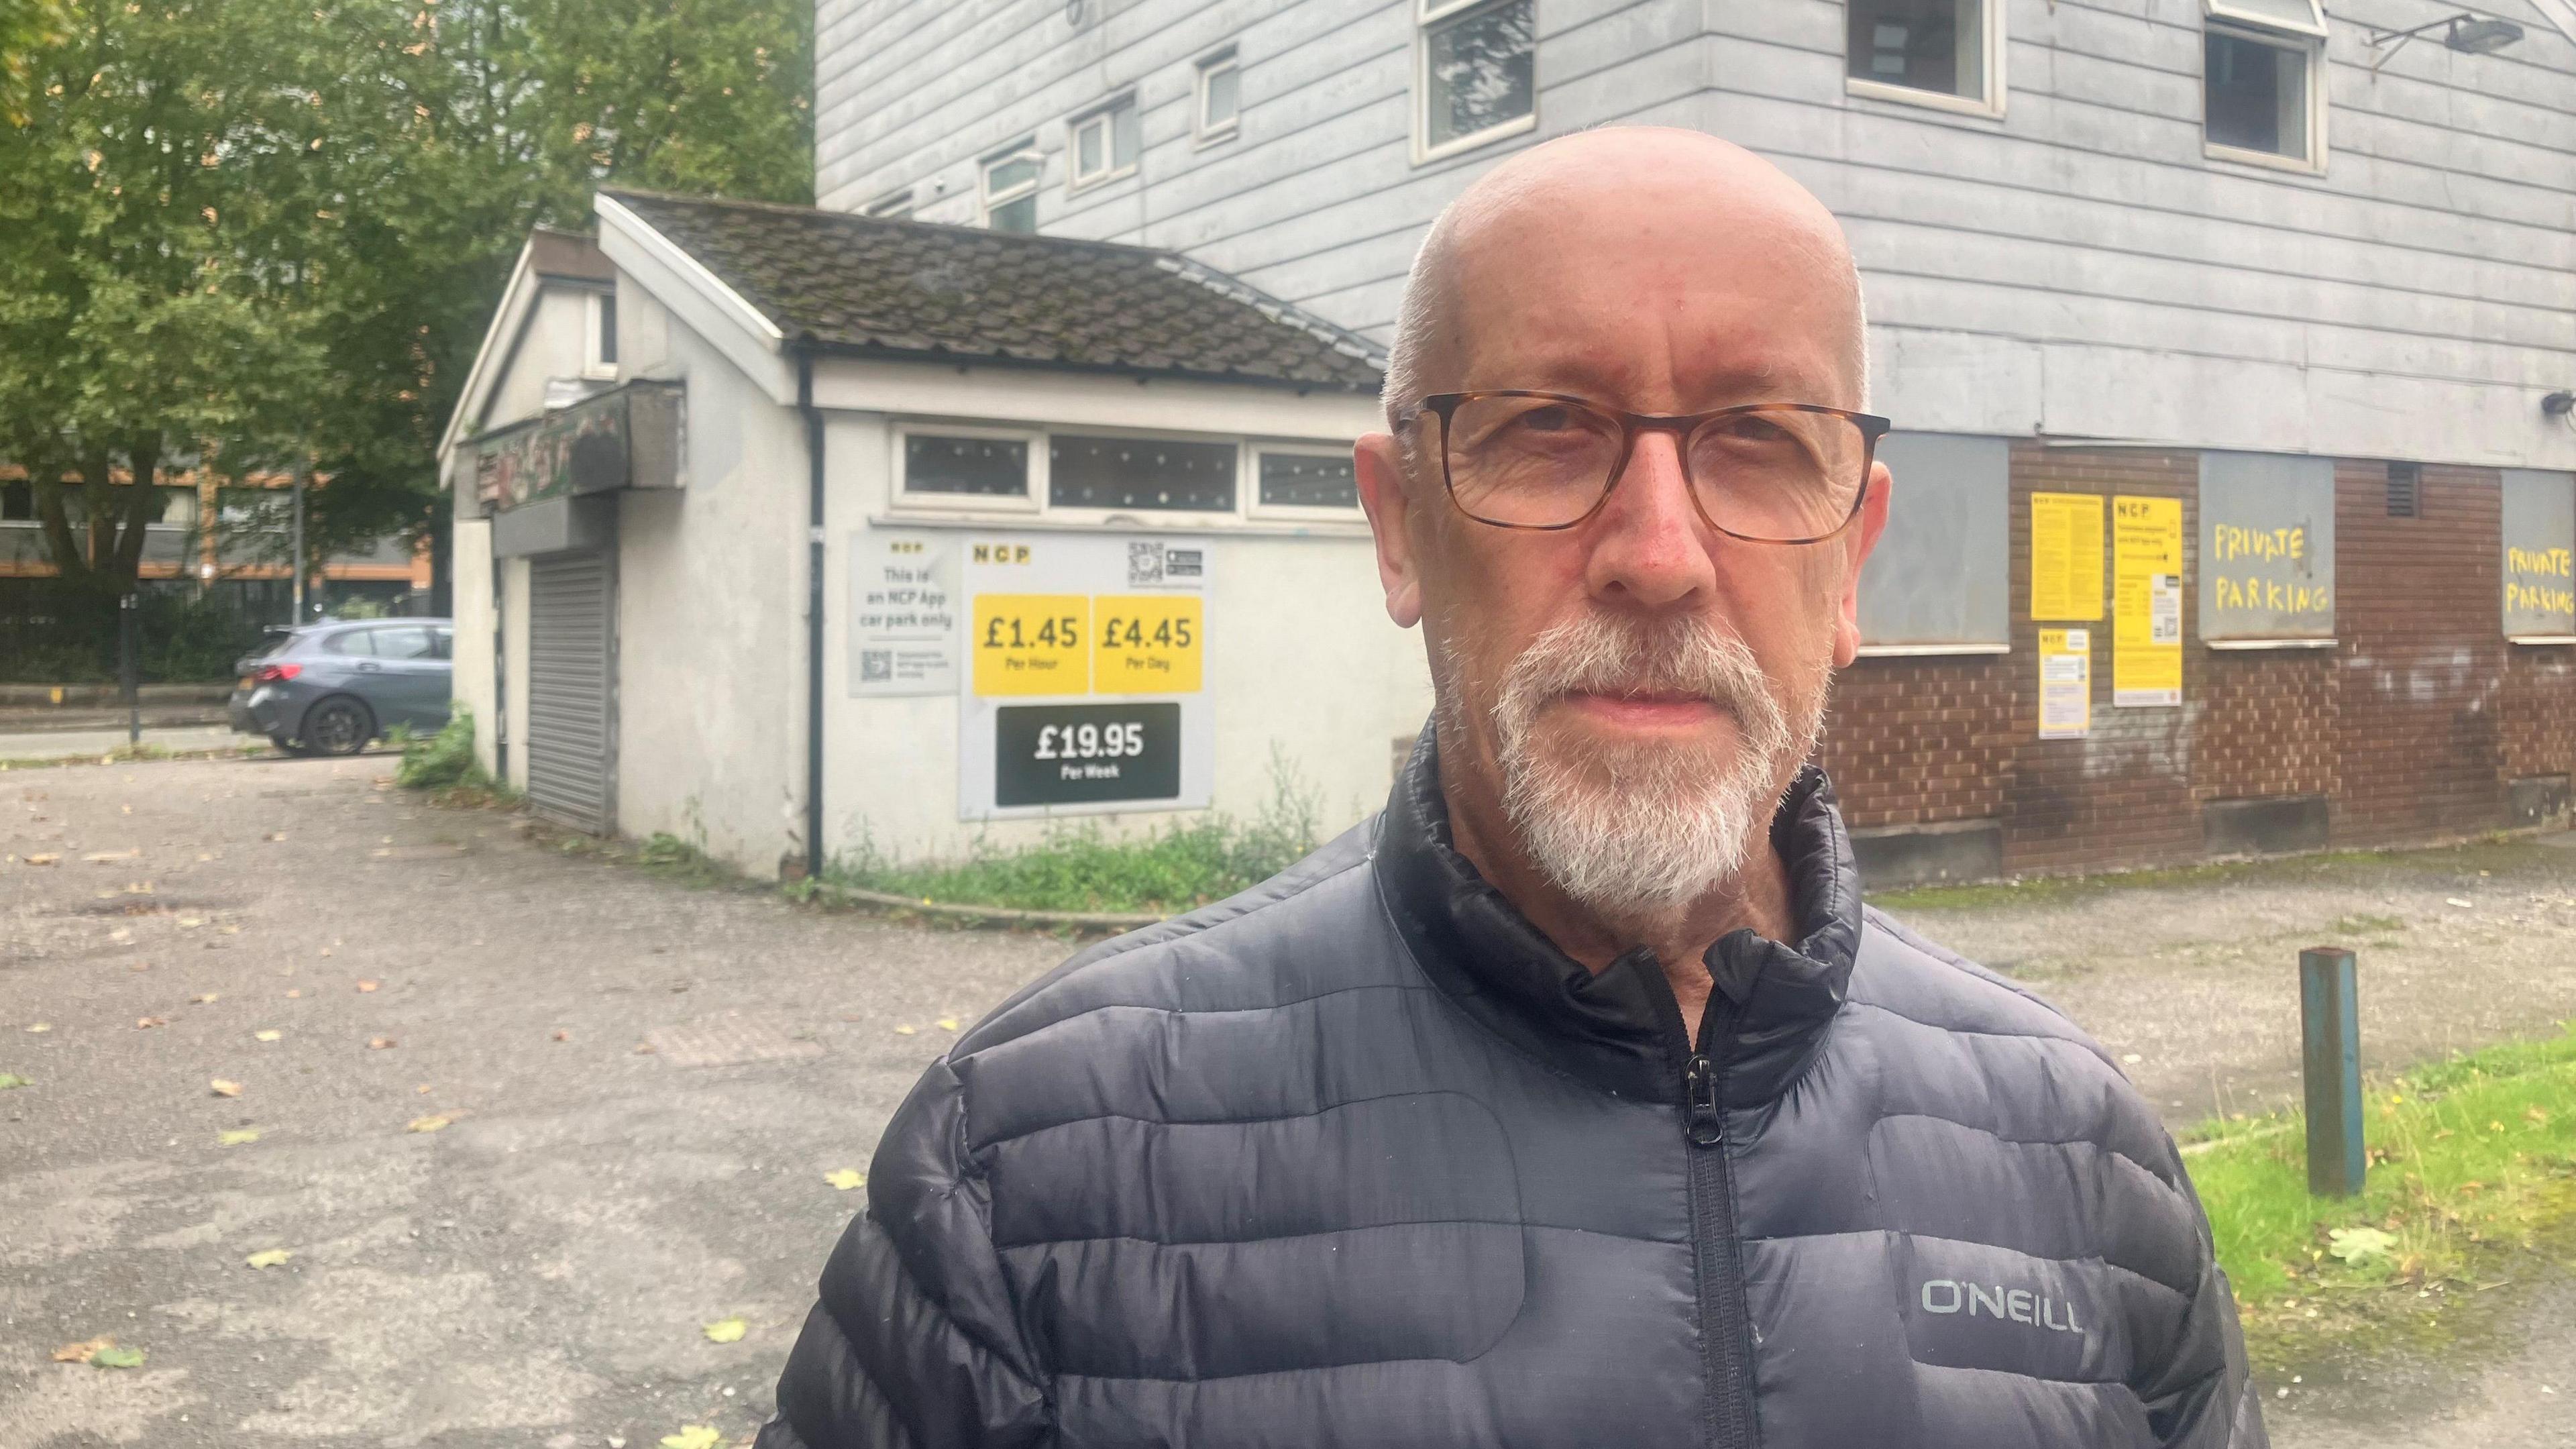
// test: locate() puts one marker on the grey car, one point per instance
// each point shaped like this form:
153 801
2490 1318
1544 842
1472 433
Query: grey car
327 689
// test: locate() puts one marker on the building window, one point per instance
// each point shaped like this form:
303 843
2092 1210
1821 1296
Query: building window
1478 74
1941 584
1106 143
1300 481
1219 96
599 335
966 468
17 501
1143 474
2263 91
1011 189
1947 53
895 205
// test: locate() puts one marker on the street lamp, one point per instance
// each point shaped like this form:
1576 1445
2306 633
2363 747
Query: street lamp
2467 33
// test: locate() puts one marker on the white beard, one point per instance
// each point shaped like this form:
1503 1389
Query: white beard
1637 832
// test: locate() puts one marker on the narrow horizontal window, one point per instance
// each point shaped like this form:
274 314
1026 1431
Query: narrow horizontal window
892 206
1140 473
978 467
1308 480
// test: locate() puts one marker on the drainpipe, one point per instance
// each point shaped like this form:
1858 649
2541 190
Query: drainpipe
813 609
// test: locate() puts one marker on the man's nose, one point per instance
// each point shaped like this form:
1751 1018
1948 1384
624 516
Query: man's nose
1649 545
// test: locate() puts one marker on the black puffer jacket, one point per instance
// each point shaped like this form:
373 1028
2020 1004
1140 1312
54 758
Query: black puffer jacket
1359 1158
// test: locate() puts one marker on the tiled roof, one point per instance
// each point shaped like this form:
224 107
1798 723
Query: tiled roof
909 289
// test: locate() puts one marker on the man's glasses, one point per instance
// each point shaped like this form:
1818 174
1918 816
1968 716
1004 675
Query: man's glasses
1763 472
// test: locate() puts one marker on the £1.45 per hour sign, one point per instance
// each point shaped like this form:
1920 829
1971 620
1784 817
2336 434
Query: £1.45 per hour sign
1082 687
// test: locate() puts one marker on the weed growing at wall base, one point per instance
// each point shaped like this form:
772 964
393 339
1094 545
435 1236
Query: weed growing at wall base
2472 1182
1083 868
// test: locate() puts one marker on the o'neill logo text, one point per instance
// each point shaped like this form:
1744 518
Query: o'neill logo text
2019 1305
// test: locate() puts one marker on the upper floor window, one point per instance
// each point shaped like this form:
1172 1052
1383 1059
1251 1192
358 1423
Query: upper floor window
1219 96
952 467
1106 143
1945 53
2263 82
1011 189
894 205
599 335
1477 73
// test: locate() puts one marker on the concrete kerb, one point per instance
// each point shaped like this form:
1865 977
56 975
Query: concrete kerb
97 696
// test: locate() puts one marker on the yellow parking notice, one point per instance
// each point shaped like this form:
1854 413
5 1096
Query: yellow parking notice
1148 644
1032 643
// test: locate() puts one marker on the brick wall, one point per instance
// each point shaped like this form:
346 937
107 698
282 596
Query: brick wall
2422 656
2410 727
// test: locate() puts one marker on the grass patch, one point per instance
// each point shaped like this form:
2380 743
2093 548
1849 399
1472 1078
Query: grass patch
2472 1171
444 767
2367 925
2496 853
672 858
1082 868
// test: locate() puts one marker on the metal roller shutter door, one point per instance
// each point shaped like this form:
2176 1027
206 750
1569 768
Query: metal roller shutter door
572 746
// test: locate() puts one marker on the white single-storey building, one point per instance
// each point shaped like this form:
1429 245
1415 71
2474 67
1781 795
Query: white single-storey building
796 534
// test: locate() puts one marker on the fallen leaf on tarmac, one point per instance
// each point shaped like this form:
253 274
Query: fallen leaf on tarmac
2456 901
277 835
80 1352
294 991
906 1030
563 1036
645 1048
431 1123
947 1023
141 1022
692 1436
207 998
102 857
223 1088
117 1358
190 923
422 1089
379 1043
46 859
266 1035
2353 1245
236 1136
40 1026
725 1330
267 1258
12 1079
363 985
120 935
846 1178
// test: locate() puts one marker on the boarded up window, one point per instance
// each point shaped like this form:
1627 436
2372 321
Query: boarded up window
2267 558
2539 554
1940 574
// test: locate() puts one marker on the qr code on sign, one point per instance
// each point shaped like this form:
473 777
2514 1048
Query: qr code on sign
876 666
1144 562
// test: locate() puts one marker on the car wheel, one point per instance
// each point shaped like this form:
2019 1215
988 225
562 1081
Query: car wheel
338 727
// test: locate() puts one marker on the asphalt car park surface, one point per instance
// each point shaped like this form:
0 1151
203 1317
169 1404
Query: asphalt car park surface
640 1088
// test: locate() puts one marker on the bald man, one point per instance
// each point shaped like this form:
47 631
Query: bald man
1576 1099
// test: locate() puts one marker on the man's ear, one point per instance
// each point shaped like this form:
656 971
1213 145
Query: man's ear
1379 459
1856 546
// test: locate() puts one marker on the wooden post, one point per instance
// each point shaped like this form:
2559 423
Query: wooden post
2330 1021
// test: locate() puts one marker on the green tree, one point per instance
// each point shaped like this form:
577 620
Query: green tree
246 233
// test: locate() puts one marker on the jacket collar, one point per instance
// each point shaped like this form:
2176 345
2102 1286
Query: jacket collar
1619 1029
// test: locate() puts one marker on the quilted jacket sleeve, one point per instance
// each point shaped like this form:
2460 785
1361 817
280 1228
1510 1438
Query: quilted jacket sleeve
914 1344
2204 1397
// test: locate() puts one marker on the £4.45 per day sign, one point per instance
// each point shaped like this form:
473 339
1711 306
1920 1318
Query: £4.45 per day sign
1082 691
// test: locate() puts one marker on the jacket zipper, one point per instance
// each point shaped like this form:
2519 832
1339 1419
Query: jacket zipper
1725 1321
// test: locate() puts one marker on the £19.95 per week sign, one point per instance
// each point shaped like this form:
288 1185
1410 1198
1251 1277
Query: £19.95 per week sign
1082 687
